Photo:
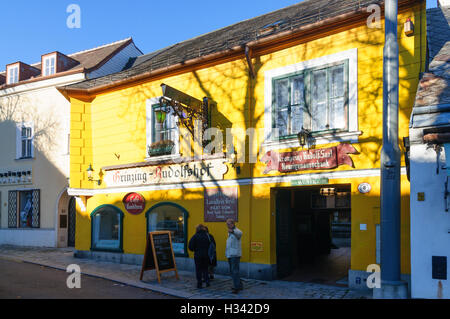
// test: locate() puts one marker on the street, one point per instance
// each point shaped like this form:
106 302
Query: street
20 280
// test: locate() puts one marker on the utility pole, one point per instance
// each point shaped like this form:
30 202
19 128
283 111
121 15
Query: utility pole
391 285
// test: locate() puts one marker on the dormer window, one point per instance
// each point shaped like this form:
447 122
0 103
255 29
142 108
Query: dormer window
49 66
13 74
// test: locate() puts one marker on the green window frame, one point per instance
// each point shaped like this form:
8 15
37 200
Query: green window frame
108 247
299 100
168 227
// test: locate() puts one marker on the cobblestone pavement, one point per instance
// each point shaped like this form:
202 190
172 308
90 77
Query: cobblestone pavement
185 287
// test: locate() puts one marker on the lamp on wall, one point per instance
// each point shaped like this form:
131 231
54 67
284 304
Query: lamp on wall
303 137
160 114
90 172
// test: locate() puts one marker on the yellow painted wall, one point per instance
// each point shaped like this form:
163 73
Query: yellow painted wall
114 123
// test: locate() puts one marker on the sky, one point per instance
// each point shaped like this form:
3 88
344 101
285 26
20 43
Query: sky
34 28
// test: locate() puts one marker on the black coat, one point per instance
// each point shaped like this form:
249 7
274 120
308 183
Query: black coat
199 244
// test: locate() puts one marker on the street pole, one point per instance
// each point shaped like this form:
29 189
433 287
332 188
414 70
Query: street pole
391 285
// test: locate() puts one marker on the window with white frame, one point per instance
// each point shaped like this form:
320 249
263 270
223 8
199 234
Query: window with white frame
49 65
13 74
319 95
25 141
162 130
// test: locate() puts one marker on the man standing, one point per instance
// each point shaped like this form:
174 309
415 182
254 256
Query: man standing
234 252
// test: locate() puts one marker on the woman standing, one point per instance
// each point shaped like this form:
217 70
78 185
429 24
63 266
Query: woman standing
199 244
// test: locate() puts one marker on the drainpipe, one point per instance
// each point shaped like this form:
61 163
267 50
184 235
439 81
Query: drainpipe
391 285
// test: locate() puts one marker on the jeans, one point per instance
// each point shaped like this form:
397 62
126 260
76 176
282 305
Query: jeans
234 270
201 269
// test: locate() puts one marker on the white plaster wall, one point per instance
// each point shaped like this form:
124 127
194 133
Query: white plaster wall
430 224
43 105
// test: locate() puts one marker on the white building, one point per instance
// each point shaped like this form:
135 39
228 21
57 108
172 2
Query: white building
35 209
430 166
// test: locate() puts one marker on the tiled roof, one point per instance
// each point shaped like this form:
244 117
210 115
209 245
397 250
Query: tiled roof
239 34
92 58
434 86
432 104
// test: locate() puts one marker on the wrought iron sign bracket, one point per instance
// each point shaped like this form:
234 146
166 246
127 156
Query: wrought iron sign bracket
187 109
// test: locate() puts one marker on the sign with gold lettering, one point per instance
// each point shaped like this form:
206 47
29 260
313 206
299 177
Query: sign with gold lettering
167 174
315 159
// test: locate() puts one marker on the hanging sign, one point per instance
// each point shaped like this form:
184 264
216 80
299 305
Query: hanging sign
167 174
134 203
315 159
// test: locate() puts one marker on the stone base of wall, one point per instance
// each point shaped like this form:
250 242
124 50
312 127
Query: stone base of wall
357 279
28 237
247 270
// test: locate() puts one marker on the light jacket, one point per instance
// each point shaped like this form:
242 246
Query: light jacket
234 248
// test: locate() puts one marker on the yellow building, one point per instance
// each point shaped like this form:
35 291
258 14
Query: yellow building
308 212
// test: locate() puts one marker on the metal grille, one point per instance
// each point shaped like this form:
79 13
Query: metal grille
72 222
12 209
35 221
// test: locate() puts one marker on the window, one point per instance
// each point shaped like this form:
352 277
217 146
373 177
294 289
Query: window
49 66
162 138
25 136
320 95
24 209
107 229
13 75
170 217
315 99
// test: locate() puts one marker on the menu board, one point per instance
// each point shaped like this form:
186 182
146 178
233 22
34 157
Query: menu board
221 204
159 254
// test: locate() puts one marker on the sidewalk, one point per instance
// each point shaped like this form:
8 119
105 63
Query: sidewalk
185 287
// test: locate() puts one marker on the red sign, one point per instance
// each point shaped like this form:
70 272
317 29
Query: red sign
326 158
134 203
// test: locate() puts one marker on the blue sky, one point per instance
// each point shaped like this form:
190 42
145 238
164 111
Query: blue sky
152 24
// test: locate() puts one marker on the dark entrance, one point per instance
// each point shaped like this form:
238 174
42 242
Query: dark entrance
72 222
314 234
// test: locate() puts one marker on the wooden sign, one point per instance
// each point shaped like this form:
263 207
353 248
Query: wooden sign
199 171
221 204
159 254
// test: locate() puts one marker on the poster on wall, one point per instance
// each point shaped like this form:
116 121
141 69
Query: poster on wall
221 204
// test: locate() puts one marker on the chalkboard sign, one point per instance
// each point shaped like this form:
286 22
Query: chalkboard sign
159 254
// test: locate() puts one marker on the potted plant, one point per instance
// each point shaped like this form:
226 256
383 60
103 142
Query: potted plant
164 147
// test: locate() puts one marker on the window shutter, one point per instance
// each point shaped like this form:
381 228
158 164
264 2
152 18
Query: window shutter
12 209
36 218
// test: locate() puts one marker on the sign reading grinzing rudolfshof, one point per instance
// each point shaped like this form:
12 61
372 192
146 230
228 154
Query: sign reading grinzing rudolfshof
167 174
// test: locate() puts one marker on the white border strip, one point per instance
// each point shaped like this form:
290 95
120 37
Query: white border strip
225 183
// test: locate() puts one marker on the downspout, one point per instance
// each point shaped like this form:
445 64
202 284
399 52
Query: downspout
391 285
